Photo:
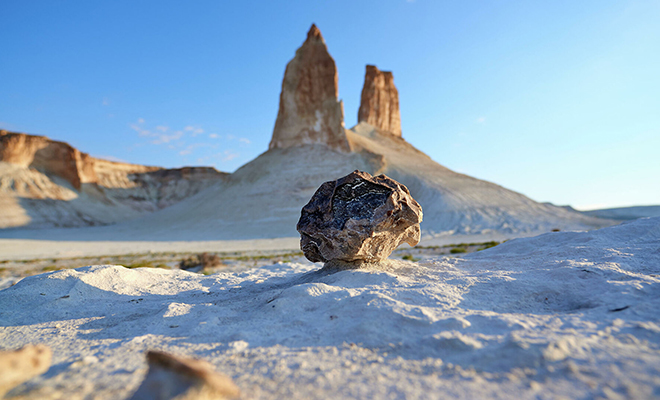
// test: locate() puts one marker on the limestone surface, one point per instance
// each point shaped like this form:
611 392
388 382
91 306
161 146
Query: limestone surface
20 365
379 104
172 377
309 111
358 218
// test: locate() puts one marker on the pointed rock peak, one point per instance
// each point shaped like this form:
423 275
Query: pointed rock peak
379 105
310 112
315 33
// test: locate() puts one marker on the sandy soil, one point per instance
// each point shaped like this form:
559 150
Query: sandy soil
561 315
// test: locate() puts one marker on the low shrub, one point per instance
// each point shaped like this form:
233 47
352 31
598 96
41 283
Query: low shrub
205 260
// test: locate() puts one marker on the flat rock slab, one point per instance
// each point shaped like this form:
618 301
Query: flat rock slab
358 218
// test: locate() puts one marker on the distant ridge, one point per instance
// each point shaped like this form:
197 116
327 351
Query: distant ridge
625 213
46 183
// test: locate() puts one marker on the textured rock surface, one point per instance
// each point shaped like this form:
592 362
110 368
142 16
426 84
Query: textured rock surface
358 218
309 110
173 377
23 364
379 104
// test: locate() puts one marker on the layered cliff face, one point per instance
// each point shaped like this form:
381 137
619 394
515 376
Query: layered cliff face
47 183
309 110
56 158
379 104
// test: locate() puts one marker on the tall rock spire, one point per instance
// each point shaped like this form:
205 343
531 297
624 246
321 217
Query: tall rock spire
379 105
309 110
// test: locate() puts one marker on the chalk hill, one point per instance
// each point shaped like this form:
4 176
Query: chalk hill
263 198
625 213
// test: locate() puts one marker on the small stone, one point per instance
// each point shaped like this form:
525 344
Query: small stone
358 218
23 364
174 377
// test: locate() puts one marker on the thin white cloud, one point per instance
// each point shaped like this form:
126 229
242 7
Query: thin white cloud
194 130
142 132
213 135
229 155
165 138
481 120
159 134
189 149
244 140
105 101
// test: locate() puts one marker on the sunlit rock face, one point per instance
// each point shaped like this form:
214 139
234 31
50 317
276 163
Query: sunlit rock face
57 158
309 110
358 218
171 377
379 104
34 170
20 365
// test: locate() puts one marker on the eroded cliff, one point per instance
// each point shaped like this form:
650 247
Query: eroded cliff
309 111
45 183
379 104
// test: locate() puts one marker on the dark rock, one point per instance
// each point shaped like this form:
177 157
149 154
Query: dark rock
358 218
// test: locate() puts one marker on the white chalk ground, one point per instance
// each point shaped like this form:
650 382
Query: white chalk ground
30 249
561 315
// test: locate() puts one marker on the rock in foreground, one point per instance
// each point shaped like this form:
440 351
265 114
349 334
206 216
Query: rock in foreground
23 364
358 218
172 377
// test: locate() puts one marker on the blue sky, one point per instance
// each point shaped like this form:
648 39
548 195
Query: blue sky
557 100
